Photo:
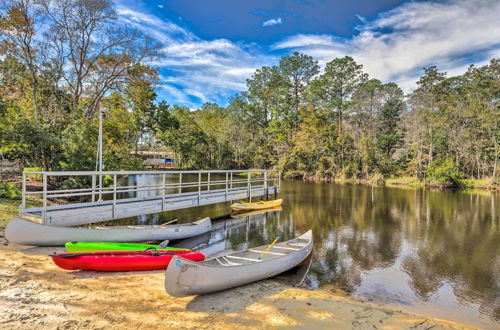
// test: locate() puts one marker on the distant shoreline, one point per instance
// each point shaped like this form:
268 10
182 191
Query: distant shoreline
468 184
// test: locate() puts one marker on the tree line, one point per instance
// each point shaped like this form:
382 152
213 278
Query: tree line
63 61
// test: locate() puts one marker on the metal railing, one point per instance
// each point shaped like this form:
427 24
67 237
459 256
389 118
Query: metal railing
162 184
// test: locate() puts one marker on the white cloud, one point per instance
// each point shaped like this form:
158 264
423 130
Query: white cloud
393 47
273 21
398 44
160 6
208 70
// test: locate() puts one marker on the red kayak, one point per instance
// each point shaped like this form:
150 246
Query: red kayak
116 261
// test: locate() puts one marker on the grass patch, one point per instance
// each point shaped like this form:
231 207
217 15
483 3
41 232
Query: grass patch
404 181
9 209
484 183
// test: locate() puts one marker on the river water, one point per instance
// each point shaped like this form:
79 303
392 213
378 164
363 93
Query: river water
432 252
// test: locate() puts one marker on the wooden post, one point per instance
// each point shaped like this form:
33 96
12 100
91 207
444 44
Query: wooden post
114 195
44 213
163 192
93 187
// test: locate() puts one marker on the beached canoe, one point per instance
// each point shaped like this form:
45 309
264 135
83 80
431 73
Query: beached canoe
244 206
25 232
117 261
186 278
113 246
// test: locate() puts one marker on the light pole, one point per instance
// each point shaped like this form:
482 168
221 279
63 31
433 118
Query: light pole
99 162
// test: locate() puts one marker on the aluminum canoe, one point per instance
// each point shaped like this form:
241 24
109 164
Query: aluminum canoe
186 278
25 232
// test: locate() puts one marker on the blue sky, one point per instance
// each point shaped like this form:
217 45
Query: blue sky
212 46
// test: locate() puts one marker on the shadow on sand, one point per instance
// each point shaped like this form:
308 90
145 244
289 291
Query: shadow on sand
238 299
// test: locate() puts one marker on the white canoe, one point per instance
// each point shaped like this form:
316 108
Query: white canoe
186 278
25 232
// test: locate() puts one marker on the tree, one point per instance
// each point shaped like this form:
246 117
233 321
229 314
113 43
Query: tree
333 91
18 26
297 71
93 55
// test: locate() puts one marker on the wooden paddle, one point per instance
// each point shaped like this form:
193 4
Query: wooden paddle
171 221
268 248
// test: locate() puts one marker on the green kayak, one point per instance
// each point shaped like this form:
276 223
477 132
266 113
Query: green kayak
111 246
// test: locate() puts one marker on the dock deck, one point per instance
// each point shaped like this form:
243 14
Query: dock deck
115 195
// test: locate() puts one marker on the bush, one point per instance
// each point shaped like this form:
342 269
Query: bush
8 190
444 171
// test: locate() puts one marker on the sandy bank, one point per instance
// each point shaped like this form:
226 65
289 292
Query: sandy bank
34 293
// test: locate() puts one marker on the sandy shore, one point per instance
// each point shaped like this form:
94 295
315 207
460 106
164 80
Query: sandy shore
34 293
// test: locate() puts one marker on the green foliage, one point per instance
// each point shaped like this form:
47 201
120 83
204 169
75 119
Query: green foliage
8 190
444 171
338 123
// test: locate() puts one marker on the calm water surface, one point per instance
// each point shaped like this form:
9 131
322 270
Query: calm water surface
433 252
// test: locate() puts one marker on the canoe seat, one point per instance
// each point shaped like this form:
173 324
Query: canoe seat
275 253
242 258
230 262
296 244
285 248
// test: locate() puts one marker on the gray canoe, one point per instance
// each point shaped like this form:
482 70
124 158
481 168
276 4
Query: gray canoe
187 278
25 232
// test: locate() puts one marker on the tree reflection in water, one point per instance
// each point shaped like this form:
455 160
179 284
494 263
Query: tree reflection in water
423 240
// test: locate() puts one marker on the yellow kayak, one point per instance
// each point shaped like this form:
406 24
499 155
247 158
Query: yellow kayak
244 206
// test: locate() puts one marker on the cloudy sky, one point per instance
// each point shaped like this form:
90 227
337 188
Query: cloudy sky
213 46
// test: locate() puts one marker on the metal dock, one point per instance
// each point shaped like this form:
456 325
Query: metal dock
75 198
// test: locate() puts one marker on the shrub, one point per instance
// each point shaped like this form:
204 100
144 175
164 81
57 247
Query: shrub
8 190
444 171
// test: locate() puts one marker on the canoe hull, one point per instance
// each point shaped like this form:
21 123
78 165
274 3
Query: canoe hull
25 232
122 262
242 207
185 278
113 246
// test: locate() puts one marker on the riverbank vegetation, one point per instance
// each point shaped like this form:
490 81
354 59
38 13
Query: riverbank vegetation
64 61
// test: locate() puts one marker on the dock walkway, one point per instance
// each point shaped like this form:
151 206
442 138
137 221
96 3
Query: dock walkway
103 196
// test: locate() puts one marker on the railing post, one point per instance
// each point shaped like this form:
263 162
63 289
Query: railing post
279 180
100 186
227 175
93 187
199 187
163 192
44 212
114 195
180 183
249 186
266 192
143 186
23 202
208 181
276 186
231 182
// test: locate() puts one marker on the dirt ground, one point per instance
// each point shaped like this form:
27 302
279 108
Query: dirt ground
35 294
